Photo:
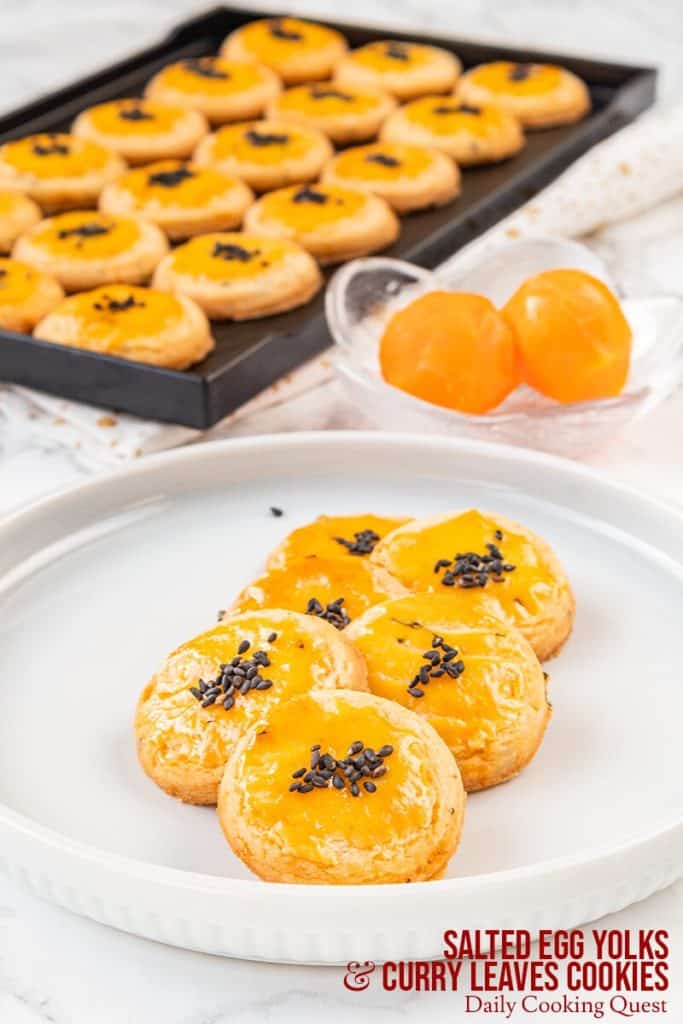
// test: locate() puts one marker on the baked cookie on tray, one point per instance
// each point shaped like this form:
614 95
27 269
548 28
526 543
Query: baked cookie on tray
539 95
470 673
211 690
297 51
26 295
240 276
266 154
469 133
141 324
57 170
222 90
182 199
18 213
333 223
343 114
342 788
467 554
84 249
353 536
406 70
407 177
142 130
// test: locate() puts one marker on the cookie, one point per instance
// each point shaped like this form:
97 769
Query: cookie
58 171
222 90
334 537
142 130
539 95
407 177
344 115
26 296
266 154
342 788
471 553
141 324
470 674
406 70
469 133
297 51
18 213
240 276
335 589
84 249
333 223
210 691
183 200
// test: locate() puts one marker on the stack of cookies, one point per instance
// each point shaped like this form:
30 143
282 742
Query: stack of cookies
231 159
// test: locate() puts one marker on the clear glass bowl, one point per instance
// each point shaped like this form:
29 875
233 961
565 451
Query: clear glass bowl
365 293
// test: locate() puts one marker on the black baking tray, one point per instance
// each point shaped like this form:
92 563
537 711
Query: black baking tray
249 356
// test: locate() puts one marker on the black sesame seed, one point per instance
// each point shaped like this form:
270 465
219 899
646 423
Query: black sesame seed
243 647
338 782
370 786
272 637
274 510
306 787
355 791
414 692
385 751
298 773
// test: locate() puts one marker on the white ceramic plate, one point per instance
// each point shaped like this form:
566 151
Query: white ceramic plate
97 584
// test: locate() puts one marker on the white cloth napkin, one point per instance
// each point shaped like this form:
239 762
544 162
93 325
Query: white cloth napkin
637 168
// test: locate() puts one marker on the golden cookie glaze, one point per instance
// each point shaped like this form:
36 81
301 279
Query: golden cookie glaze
406 177
540 95
333 223
182 199
58 170
18 213
134 323
239 276
26 295
343 114
336 589
266 154
469 133
403 825
473 677
142 130
222 90
527 579
327 537
406 70
296 50
184 742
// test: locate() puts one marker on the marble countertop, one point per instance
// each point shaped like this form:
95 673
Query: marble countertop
57 968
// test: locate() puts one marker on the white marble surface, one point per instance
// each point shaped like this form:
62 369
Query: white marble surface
56 967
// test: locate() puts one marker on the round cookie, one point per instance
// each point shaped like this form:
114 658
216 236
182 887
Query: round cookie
467 671
406 70
222 90
297 51
211 690
342 788
471 553
344 115
539 95
141 324
183 200
334 537
142 130
470 134
407 177
335 589
333 223
58 171
26 295
84 249
240 276
18 213
266 154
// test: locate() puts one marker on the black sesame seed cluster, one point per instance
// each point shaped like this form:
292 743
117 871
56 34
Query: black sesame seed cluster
360 767
333 613
363 542
440 661
236 678
469 569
